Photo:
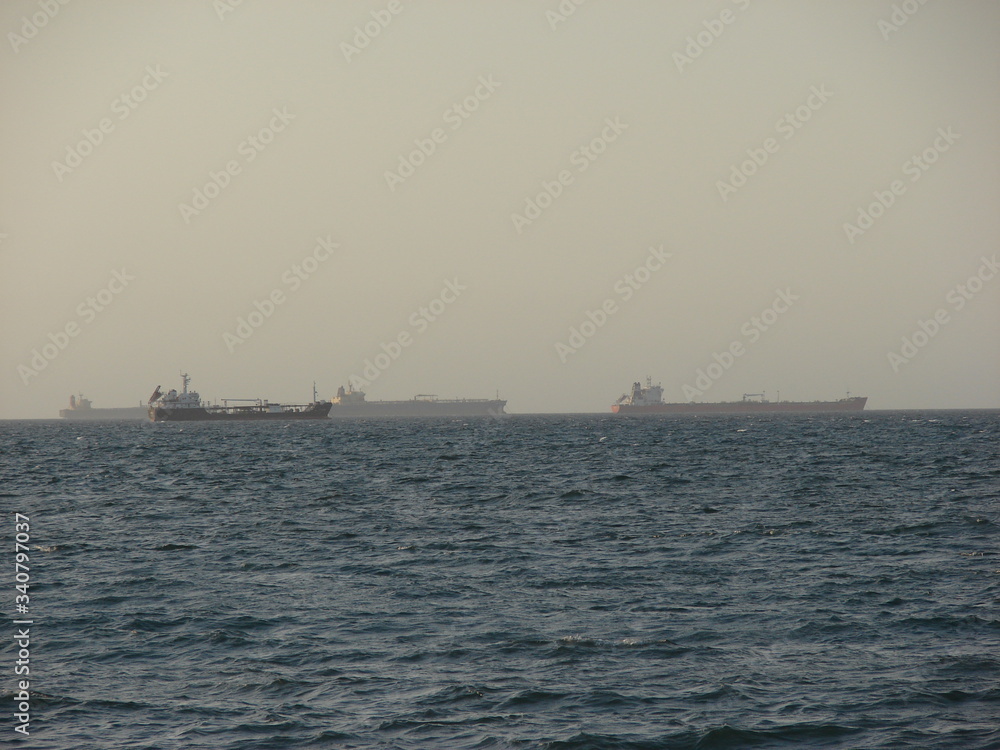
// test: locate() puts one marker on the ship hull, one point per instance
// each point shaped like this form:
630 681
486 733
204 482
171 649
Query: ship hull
239 414
745 407
419 408
118 413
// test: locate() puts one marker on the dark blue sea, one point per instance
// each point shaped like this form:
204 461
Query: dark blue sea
560 582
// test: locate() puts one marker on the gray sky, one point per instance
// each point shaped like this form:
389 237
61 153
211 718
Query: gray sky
819 182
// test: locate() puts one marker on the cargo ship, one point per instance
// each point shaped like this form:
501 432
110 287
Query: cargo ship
82 408
649 400
351 403
187 406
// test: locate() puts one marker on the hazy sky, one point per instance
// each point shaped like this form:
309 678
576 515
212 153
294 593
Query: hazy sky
809 184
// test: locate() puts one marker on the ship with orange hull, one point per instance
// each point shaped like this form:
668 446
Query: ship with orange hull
649 400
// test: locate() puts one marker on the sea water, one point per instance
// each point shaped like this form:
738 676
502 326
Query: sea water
822 581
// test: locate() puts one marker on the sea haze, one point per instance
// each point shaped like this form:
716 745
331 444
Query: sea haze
571 582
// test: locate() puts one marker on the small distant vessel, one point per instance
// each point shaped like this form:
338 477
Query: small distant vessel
649 400
351 403
82 408
187 406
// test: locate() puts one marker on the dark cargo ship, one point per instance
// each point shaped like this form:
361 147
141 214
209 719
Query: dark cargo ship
351 403
81 408
649 400
187 406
